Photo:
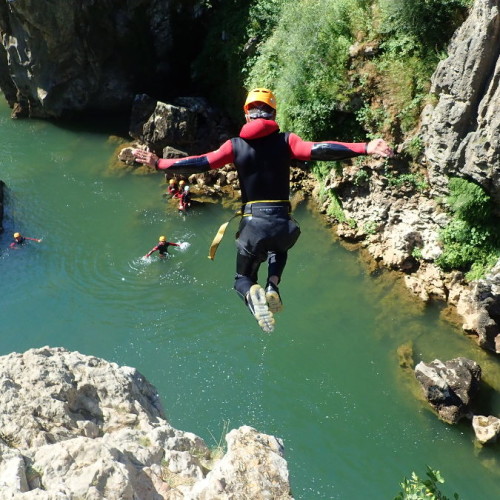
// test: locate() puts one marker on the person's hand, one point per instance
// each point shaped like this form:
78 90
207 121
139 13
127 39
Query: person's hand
379 147
145 157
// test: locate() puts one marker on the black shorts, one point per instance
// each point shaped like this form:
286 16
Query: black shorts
266 228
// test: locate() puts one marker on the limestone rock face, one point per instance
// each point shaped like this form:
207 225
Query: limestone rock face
75 426
449 386
480 308
461 132
78 56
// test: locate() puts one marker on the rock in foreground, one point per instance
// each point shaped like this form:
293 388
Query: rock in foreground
76 426
450 386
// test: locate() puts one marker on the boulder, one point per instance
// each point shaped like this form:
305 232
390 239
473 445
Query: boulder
186 125
449 386
487 429
76 426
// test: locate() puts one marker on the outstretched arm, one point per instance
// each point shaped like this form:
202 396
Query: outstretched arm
151 251
332 150
190 164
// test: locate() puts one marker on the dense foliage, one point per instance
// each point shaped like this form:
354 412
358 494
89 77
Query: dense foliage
340 68
423 489
472 238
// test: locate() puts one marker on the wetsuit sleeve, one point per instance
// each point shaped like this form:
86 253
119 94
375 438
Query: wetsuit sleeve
151 251
174 244
201 163
324 151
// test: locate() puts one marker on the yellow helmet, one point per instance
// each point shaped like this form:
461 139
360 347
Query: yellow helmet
16 235
171 181
162 238
260 95
181 183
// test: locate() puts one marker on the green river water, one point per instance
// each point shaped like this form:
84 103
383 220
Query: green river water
327 381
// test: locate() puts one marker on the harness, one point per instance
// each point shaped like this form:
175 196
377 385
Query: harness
256 208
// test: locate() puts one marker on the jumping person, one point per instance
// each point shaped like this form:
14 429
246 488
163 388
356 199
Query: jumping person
19 239
262 156
162 247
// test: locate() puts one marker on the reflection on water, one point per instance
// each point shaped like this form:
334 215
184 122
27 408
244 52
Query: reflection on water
328 381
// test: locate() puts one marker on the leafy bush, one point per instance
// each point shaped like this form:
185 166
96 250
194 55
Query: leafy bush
471 240
469 202
305 62
425 22
423 489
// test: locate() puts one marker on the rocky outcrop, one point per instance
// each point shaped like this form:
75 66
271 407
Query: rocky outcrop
479 305
449 387
461 132
184 125
75 426
81 56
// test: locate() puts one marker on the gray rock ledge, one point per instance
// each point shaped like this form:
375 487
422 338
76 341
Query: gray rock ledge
76 426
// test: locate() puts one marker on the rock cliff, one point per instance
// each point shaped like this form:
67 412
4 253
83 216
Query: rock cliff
398 220
76 426
74 56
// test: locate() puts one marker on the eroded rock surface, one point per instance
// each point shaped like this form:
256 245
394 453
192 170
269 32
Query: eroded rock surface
76 426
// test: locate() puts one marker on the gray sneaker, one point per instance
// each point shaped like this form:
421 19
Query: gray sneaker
273 298
257 303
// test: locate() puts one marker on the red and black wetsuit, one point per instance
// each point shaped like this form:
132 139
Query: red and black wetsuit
162 247
18 241
262 156
173 190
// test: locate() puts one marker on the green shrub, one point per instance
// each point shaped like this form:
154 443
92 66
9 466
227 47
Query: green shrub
321 169
423 489
415 180
468 201
305 61
427 22
471 241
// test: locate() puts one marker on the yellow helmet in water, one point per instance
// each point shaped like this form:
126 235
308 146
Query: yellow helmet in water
182 182
162 238
260 95
171 181
17 235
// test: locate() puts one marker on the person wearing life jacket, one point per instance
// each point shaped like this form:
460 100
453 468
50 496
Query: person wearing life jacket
19 240
162 247
185 200
173 188
262 155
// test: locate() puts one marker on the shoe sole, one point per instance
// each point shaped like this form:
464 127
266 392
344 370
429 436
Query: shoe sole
261 312
274 301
